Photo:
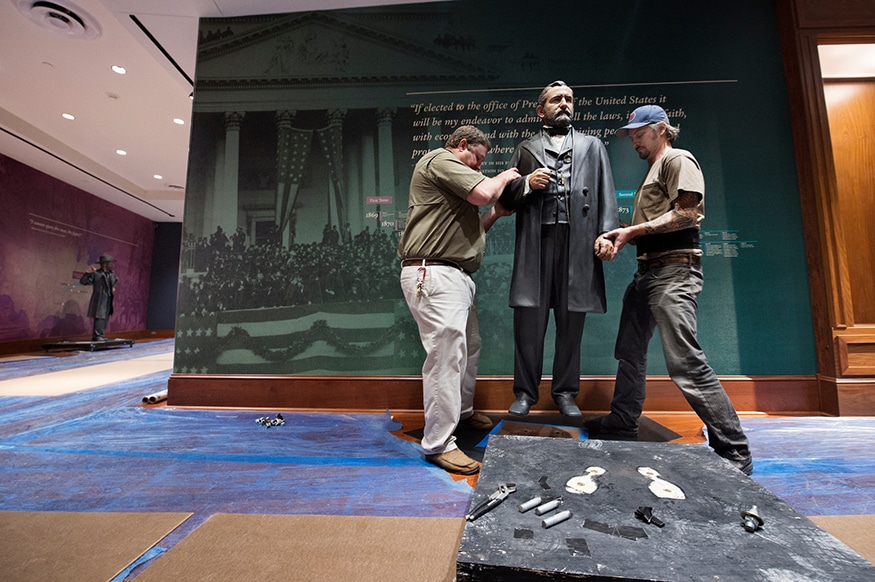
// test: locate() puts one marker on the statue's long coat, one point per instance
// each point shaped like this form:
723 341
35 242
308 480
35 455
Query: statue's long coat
592 211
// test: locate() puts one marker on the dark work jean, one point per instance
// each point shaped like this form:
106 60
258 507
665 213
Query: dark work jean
665 297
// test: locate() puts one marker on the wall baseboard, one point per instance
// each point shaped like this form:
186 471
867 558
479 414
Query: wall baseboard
850 396
789 395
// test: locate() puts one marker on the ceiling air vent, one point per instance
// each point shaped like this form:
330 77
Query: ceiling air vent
61 17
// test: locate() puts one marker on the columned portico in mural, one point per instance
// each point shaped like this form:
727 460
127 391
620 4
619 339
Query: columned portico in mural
315 72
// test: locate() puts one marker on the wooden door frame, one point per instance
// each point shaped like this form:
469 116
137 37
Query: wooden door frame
803 26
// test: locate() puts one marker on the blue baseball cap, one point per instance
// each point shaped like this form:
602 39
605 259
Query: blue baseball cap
644 115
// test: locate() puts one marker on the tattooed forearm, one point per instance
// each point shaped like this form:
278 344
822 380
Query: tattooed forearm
669 222
683 215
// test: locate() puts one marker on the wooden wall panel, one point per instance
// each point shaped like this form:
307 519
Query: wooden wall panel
835 256
834 13
856 353
849 107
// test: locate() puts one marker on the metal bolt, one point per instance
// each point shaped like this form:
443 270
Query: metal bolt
752 520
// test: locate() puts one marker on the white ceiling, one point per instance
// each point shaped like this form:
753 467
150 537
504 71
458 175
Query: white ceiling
46 71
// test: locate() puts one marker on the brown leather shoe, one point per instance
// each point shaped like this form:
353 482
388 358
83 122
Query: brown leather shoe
454 461
477 421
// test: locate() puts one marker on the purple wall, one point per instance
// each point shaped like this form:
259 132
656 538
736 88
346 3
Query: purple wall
49 233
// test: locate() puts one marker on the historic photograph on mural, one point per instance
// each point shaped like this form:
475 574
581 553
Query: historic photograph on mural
306 127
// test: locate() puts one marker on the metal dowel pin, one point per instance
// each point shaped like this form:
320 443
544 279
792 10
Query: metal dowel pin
557 518
530 504
548 507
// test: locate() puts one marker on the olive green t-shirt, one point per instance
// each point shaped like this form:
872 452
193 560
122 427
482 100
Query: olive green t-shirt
677 170
441 223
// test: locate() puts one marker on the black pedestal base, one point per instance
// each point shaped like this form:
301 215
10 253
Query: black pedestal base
88 345
703 537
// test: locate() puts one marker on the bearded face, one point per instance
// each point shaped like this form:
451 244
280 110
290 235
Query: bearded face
558 108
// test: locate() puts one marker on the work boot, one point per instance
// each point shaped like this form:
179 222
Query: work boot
741 460
602 428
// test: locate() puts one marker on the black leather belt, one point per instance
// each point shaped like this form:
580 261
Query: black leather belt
430 263
649 264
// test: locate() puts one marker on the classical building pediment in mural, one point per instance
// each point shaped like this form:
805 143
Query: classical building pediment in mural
318 47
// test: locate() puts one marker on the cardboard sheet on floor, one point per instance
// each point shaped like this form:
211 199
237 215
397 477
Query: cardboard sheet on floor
702 537
313 547
855 531
77 547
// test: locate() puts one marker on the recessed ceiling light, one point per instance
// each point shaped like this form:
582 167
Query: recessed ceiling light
68 116
178 121
119 70
158 177
121 152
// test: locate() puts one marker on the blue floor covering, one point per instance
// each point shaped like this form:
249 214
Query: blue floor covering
818 465
101 450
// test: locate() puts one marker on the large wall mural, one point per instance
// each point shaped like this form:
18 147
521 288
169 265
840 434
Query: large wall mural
306 127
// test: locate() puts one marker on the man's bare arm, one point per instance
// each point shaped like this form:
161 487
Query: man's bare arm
683 214
489 190
488 218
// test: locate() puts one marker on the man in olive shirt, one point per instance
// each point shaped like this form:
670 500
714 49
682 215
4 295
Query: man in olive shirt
442 245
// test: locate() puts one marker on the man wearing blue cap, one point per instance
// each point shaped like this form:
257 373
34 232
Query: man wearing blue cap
669 206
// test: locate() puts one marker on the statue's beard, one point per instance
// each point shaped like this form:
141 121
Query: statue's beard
559 119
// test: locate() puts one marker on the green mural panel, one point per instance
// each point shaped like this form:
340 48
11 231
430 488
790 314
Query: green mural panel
306 127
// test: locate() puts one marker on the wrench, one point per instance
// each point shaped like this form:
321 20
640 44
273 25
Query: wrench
491 502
